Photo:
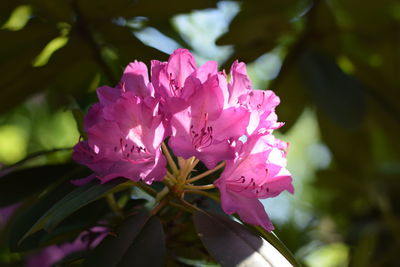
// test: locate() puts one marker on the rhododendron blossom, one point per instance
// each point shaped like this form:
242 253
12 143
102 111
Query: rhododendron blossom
124 137
258 171
202 115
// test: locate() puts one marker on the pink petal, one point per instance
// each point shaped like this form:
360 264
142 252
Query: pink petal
212 155
208 99
107 95
135 79
94 116
210 68
232 123
180 65
250 210
160 78
240 83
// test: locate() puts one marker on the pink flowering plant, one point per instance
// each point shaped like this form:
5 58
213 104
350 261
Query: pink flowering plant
227 125
198 143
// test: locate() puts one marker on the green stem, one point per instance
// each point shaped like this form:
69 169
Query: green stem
157 208
145 188
170 160
188 205
203 193
182 207
114 205
204 174
199 187
190 164
162 194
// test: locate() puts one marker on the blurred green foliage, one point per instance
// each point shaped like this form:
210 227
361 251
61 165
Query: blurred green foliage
336 69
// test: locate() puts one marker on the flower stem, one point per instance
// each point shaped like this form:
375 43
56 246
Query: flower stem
182 207
162 194
171 177
199 187
145 188
157 208
188 205
190 164
114 205
170 160
204 174
194 163
203 193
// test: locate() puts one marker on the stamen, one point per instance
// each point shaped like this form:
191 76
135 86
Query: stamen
204 138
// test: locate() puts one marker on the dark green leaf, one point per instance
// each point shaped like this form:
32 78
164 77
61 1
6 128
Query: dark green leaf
77 199
268 21
338 95
55 10
19 185
232 244
350 148
165 10
21 48
127 46
24 221
292 91
72 202
138 241
80 220
148 248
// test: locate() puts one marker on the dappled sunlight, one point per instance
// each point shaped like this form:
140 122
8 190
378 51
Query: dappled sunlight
13 144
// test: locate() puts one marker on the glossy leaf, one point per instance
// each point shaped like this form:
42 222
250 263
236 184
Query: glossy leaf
24 221
148 249
19 185
72 202
138 241
232 244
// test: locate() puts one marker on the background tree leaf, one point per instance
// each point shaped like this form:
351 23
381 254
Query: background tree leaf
340 96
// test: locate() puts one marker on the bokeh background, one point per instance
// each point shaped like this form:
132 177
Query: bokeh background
334 63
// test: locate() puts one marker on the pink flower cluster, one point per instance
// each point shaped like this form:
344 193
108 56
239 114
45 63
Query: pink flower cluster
204 113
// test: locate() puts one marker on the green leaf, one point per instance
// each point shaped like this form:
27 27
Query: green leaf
291 89
72 202
337 94
24 221
54 10
6 9
19 185
232 244
70 69
269 21
138 241
127 46
148 248
165 10
21 47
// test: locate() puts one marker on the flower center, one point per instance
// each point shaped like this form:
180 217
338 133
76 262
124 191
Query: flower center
248 185
173 86
204 137
129 150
